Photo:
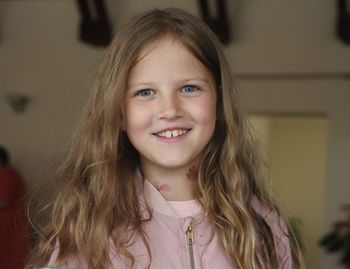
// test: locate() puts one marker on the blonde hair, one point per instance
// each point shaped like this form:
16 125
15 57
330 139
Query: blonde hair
98 201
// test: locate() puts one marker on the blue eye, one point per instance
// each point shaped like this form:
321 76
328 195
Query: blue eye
189 88
145 92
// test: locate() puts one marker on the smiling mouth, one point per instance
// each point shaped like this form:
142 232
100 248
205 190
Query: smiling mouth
172 133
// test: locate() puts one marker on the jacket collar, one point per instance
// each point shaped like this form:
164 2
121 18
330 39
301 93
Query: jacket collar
153 198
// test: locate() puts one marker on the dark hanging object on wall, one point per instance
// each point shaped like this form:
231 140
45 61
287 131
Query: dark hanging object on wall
219 23
95 28
343 27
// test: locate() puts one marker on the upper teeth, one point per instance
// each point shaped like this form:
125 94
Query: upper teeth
173 133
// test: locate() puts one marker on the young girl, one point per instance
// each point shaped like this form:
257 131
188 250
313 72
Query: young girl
163 172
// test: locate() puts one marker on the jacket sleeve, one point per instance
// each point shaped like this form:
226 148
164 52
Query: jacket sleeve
280 232
72 263
279 228
78 262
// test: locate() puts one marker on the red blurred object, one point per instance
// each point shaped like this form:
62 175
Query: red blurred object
14 225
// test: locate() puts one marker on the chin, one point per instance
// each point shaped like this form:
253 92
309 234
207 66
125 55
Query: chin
172 165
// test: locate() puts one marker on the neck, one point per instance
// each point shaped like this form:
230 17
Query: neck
174 184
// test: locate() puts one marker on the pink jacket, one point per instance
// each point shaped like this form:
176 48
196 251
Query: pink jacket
183 242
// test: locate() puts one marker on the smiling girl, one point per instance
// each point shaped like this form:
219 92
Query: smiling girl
163 172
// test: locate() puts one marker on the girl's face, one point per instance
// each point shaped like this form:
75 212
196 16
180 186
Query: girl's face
170 106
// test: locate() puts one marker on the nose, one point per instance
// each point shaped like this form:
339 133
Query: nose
170 107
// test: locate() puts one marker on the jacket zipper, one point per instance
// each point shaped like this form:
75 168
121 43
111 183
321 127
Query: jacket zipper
189 234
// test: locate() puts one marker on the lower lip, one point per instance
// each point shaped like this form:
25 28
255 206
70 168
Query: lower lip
170 140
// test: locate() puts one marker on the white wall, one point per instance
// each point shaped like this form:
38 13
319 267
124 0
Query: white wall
40 56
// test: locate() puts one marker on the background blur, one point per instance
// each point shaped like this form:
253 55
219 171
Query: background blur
292 72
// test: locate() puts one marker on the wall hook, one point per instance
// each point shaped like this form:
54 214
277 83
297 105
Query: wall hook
18 102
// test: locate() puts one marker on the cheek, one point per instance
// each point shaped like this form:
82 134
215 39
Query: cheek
205 111
136 119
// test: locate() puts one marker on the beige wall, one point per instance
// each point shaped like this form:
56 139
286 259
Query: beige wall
296 153
329 98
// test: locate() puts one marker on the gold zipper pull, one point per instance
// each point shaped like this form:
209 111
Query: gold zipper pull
189 235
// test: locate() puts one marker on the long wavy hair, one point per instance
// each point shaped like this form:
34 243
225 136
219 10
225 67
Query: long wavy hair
97 198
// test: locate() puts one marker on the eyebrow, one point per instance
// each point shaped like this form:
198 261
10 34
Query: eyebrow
181 81
200 79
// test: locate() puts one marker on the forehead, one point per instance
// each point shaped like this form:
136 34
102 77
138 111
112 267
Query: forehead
166 41
167 56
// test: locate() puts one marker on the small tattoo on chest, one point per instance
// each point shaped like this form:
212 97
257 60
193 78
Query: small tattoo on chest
164 187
